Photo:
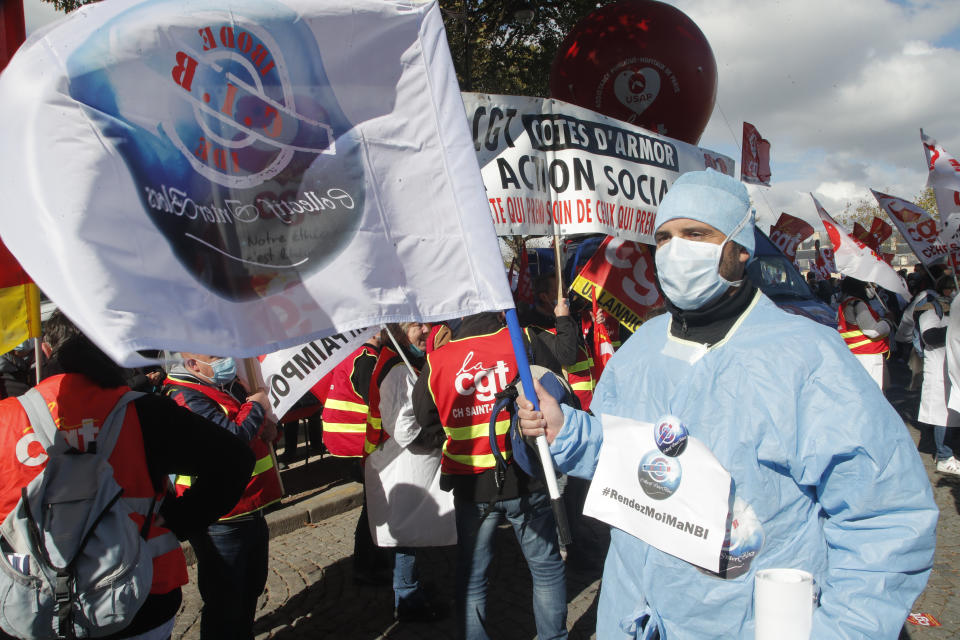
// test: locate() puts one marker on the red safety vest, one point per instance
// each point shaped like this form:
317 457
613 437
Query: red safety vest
859 342
264 487
375 435
79 409
344 410
579 374
465 375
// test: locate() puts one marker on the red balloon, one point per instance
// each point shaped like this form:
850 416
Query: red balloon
641 61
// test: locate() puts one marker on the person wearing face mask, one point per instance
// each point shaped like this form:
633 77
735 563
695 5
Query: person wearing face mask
862 328
933 318
232 554
818 471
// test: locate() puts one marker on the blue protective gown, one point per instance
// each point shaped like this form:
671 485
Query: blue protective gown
813 447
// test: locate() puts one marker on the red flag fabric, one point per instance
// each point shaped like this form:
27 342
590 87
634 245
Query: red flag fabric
602 345
863 235
622 271
755 157
880 230
788 233
12 29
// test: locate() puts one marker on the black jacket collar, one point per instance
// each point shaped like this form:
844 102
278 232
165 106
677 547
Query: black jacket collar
711 322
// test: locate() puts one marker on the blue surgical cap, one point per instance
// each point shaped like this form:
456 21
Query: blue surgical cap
713 198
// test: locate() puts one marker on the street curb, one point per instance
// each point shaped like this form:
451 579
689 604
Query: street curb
288 518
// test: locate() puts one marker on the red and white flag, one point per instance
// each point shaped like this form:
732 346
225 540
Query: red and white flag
755 157
788 233
916 226
855 259
875 236
602 344
944 179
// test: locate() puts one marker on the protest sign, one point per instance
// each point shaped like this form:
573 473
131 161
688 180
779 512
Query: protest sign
218 180
855 259
788 233
622 274
291 373
553 168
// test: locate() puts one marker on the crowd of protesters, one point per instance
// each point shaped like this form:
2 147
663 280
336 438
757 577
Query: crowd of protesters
416 407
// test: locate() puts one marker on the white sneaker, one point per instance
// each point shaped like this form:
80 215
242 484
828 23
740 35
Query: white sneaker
951 465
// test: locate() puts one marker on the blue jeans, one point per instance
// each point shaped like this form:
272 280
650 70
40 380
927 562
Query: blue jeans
532 519
943 451
406 579
232 561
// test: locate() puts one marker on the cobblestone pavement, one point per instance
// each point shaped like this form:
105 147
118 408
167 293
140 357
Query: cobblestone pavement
310 591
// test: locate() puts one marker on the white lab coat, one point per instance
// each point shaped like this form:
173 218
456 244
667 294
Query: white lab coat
402 480
953 361
933 399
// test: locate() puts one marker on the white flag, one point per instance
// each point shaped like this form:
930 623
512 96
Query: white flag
944 179
237 178
916 226
855 259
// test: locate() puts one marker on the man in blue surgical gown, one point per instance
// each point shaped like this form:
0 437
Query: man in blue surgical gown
824 475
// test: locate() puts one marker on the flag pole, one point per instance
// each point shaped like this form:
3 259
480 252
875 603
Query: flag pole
546 460
252 368
396 345
37 353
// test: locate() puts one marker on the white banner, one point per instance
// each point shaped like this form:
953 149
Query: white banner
857 260
917 227
678 504
289 374
553 168
236 178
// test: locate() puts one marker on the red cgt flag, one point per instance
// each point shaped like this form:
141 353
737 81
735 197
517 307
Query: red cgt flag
754 157
788 233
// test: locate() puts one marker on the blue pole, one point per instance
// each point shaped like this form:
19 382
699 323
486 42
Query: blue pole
546 460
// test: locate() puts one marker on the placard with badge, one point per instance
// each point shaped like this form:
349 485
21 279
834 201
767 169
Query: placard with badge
658 483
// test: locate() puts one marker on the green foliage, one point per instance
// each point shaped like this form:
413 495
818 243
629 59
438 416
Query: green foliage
69 5
864 210
494 53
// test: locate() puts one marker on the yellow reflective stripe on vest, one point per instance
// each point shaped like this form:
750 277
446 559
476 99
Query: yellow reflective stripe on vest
345 427
374 422
263 464
582 386
369 447
185 481
581 366
472 431
344 405
482 461
851 334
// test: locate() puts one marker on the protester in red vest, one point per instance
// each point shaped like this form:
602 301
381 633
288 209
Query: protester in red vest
345 411
452 400
232 554
866 334
81 387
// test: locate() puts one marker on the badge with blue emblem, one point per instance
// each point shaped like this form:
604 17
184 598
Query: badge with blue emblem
671 435
659 475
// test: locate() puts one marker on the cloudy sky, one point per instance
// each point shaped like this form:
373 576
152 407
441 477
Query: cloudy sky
840 88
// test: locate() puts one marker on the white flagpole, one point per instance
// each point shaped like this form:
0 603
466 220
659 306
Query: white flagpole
410 370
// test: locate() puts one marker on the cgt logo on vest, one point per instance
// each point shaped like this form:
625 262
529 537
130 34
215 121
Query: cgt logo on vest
30 451
484 381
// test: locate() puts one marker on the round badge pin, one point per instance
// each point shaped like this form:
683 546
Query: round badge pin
671 435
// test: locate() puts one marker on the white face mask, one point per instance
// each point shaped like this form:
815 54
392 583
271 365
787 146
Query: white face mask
689 270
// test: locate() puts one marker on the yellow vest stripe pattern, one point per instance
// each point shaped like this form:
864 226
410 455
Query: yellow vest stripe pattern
344 405
476 430
345 427
850 334
263 464
582 386
583 365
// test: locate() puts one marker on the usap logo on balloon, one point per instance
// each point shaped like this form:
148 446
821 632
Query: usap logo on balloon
240 153
659 474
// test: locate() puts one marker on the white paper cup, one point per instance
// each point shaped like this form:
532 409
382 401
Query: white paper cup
783 604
